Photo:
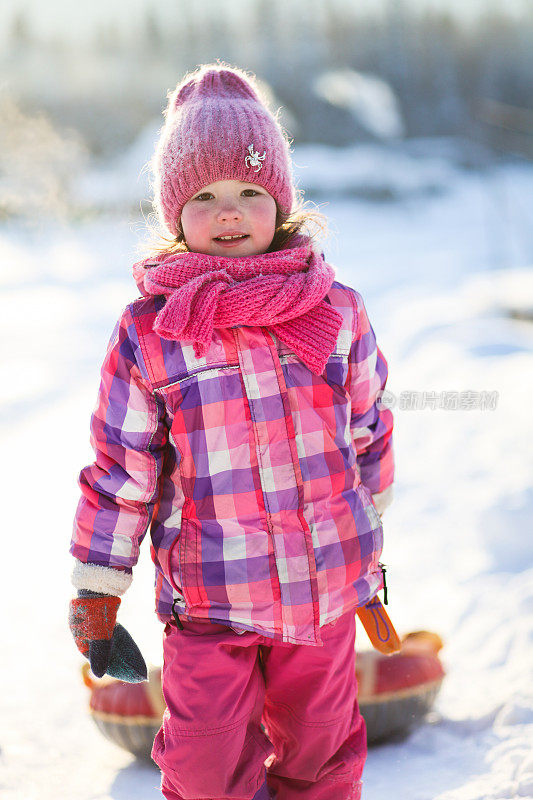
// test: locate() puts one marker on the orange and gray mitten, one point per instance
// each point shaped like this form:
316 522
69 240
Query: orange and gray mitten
108 646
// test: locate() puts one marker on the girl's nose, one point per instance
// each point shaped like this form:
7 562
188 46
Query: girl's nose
229 211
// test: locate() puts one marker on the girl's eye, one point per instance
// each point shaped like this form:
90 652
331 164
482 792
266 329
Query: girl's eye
208 196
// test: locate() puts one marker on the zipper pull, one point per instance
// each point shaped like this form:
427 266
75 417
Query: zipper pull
385 592
175 615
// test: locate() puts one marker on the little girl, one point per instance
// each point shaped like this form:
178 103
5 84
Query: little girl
238 421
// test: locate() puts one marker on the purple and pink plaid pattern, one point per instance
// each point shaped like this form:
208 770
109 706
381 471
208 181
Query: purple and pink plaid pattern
253 474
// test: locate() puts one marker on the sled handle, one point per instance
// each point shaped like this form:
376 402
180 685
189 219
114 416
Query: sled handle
378 627
90 680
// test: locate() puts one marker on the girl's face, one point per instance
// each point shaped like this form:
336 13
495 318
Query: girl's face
229 218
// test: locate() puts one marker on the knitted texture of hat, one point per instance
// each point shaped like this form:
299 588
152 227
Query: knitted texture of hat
218 128
283 290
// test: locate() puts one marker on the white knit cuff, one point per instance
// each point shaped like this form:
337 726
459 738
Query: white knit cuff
95 578
383 499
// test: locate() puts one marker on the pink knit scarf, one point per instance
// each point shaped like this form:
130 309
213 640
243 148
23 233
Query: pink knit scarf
283 290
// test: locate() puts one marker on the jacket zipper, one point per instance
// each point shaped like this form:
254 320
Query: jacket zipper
385 592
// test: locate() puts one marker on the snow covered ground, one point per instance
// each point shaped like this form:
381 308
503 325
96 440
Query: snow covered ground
439 272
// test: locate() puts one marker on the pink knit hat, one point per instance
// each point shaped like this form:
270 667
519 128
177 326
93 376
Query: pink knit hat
218 128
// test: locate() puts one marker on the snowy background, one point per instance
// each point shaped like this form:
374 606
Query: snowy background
445 271
428 194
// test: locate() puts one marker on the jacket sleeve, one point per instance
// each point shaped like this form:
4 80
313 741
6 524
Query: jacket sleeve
370 424
119 489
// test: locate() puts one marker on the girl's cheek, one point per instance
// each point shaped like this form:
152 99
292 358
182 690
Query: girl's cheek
266 213
194 218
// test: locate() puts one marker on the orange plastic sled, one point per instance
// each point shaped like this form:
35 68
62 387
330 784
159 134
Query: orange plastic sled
395 691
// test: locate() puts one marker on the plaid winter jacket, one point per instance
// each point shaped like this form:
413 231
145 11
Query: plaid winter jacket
254 475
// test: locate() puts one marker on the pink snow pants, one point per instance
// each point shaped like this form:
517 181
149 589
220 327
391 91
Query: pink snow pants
219 686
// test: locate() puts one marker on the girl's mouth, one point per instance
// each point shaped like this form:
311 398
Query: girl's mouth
231 240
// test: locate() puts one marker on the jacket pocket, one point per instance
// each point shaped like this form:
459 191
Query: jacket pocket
189 562
374 521
336 369
173 570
